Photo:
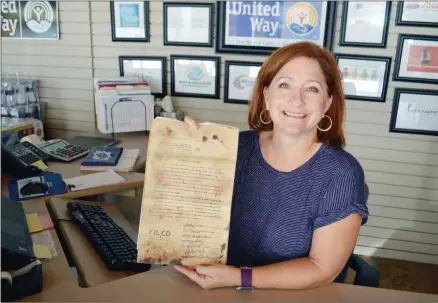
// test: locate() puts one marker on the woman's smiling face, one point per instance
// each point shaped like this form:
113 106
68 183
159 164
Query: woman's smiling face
297 97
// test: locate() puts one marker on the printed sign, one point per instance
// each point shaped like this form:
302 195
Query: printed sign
30 19
195 76
274 23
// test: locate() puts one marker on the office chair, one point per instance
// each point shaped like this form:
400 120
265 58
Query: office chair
366 275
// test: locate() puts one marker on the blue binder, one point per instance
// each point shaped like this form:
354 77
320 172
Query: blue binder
54 182
103 156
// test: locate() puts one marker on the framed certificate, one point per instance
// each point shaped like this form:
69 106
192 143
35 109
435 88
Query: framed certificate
417 13
188 24
365 24
259 27
416 59
130 21
195 76
150 69
415 111
364 77
240 79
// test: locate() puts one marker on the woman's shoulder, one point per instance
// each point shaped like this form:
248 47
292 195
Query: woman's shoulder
342 161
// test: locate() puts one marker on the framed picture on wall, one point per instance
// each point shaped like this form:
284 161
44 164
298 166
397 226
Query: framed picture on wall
195 76
365 24
188 24
150 69
240 79
416 59
259 27
415 111
364 77
130 21
413 13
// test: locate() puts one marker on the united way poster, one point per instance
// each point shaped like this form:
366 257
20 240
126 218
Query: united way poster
29 19
274 23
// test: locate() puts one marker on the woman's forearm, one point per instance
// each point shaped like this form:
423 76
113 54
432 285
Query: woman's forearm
300 273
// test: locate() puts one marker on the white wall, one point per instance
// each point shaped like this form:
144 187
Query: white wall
401 169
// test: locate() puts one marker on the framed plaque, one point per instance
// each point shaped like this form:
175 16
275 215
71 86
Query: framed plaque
240 79
413 13
150 69
195 76
364 77
415 111
130 21
188 24
259 27
365 24
416 59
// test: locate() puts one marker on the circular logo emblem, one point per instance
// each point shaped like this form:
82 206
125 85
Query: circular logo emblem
302 18
194 73
38 16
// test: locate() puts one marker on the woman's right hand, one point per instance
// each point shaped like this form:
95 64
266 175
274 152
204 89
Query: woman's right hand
192 123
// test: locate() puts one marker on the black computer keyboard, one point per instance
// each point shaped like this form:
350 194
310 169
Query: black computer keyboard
113 245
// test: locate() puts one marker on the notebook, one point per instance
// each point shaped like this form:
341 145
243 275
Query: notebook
102 156
93 180
126 162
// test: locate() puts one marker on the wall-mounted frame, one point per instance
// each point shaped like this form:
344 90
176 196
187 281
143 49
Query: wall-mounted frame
240 79
415 111
130 21
195 76
282 23
188 24
416 59
150 69
417 14
364 77
365 24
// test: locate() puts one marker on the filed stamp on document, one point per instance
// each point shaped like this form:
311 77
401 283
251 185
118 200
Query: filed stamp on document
186 204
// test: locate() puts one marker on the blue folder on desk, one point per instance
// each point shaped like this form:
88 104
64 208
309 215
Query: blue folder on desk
103 156
53 181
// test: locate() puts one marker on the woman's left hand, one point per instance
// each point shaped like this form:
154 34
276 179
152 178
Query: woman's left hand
212 276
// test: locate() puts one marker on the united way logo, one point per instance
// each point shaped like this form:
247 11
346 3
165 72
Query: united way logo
194 73
302 18
38 16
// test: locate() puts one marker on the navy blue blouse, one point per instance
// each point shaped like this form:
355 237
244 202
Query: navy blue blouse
274 214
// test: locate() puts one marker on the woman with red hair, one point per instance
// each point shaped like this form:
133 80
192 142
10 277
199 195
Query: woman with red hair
298 200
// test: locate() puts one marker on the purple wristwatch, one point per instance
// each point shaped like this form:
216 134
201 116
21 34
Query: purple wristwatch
245 278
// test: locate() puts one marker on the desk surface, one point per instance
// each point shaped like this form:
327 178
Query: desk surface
166 284
90 267
133 179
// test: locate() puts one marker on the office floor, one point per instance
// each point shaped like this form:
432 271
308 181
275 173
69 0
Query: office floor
394 274
402 275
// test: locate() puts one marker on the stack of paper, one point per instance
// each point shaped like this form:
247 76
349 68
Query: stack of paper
93 180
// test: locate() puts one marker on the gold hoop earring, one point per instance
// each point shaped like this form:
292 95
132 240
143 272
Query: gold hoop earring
328 128
261 117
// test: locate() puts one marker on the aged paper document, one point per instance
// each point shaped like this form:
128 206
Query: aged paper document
188 188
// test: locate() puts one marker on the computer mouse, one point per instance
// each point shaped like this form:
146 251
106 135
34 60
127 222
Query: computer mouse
33 188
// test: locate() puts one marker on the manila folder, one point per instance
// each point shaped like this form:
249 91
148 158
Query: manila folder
188 188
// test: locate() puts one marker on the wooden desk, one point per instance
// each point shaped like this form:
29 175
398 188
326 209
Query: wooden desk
167 285
89 265
133 179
